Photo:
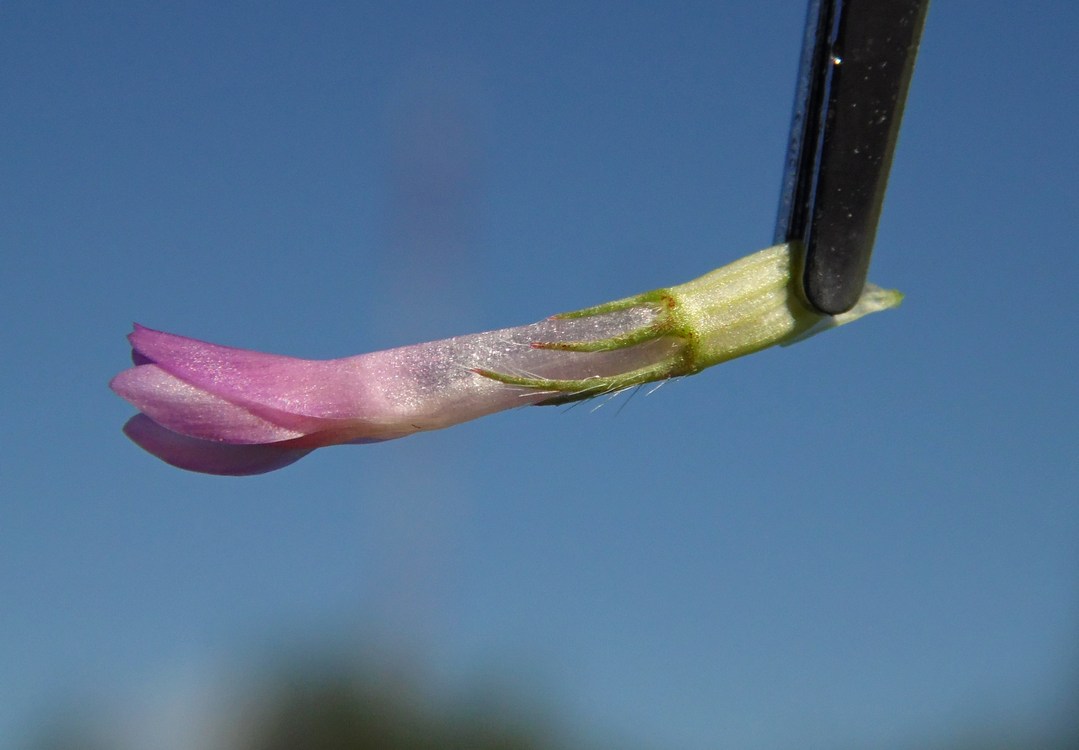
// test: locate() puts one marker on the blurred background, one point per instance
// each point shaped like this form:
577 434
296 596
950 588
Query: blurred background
868 540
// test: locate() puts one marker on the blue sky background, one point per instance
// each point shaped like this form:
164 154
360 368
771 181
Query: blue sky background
867 540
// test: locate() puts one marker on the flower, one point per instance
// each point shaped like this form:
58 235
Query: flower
221 410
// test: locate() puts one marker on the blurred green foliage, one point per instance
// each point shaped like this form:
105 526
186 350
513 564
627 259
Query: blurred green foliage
317 706
336 712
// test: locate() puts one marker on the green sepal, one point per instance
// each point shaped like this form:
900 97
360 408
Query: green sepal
638 336
570 390
654 296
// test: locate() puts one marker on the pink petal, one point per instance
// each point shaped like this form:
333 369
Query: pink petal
294 388
223 410
209 457
393 393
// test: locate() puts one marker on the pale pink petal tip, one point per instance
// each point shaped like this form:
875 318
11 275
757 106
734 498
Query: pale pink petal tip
181 407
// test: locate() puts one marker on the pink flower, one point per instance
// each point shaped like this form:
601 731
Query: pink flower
221 410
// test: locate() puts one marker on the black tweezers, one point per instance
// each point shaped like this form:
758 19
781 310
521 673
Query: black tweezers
857 61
